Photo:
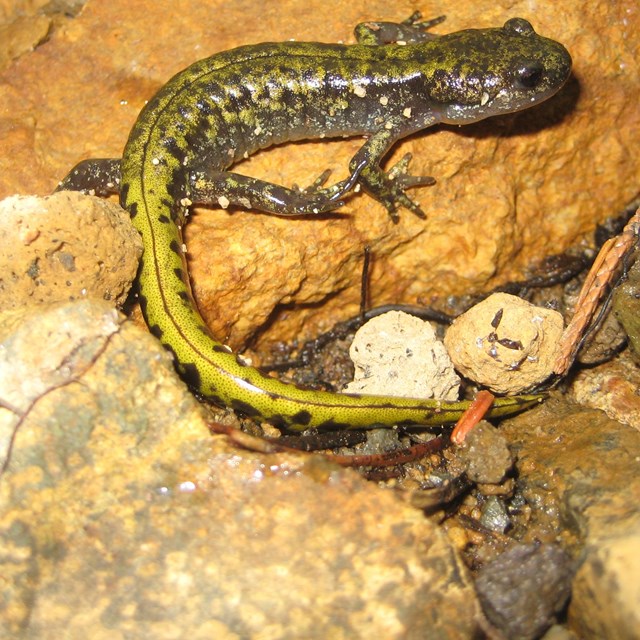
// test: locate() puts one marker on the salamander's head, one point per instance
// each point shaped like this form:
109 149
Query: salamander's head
479 73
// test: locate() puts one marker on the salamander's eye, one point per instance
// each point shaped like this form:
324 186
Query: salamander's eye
528 76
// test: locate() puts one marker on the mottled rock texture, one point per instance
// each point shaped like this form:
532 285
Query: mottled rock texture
509 191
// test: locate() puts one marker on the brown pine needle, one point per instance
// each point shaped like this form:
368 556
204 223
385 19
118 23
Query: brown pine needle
600 276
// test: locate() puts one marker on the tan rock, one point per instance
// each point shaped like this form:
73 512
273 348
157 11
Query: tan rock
121 515
505 343
21 35
612 387
65 247
509 190
398 354
615 590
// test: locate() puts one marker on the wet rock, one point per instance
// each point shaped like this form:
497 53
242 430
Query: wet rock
485 455
524 589
626 306
121 515
611 387
494 515
578 471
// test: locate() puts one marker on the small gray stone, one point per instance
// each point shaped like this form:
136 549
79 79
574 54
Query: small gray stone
524 589
486 455
494 515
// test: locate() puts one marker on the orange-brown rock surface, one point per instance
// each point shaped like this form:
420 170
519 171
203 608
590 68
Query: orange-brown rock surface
509 190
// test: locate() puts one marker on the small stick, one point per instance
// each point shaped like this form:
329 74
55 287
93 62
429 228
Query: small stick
470 418
386 459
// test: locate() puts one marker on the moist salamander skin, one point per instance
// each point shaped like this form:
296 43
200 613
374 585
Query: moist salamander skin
396 81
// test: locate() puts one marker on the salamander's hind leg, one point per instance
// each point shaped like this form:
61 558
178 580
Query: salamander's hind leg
409 31
223 188
100 176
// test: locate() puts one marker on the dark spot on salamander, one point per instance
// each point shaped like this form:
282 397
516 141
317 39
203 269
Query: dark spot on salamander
175 247
173 147
175 186
190 374
202 328
163 219
142 300
171 350
132 209
332 425
156 330
220 348
124 192
409 423
205 108
179 274
184 296
264 374
213 398
278 421
245 408
302 417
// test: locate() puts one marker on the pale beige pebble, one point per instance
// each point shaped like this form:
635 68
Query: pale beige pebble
65 247
399 354
505 343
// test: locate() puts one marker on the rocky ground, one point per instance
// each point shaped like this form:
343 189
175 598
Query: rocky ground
124 514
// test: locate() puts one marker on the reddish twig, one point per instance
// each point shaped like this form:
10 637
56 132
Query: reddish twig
470 418
387 459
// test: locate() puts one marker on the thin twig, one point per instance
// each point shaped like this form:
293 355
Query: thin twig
470 418
385 459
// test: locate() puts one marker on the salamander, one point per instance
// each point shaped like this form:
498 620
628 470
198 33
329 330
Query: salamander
396 80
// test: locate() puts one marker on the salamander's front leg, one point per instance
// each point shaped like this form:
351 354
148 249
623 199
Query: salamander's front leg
224 188
388 187
98 175
411 31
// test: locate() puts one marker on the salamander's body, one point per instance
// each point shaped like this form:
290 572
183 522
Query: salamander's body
226 107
